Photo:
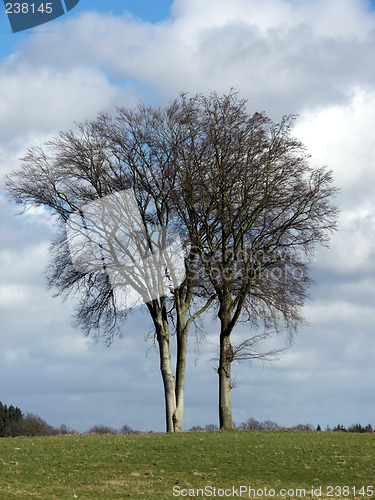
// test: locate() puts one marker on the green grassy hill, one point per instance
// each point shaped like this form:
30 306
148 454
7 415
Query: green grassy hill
189 465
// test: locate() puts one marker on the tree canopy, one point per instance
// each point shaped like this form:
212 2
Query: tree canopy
235 190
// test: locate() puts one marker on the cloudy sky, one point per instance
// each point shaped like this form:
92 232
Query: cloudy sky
311 57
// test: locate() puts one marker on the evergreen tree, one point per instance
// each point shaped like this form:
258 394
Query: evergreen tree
8 415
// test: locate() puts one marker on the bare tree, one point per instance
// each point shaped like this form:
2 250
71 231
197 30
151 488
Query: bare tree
236 189
83 178
254 209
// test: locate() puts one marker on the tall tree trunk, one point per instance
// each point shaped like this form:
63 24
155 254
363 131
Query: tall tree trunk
180 379
158 314
225 363
173 388
168 379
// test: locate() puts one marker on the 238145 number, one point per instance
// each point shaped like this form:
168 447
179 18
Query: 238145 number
346 491
28 8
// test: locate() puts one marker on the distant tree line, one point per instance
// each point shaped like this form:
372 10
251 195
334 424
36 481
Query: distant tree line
104 429
252 424
353 428
14 423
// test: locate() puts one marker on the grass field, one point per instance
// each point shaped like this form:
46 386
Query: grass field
150 465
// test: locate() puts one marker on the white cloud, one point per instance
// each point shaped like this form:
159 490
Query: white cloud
338 312
341 136
43 99
284 55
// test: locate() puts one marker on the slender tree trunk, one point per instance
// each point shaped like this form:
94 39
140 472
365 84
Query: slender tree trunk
180 379
162 336
225 363
174 388
168 379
